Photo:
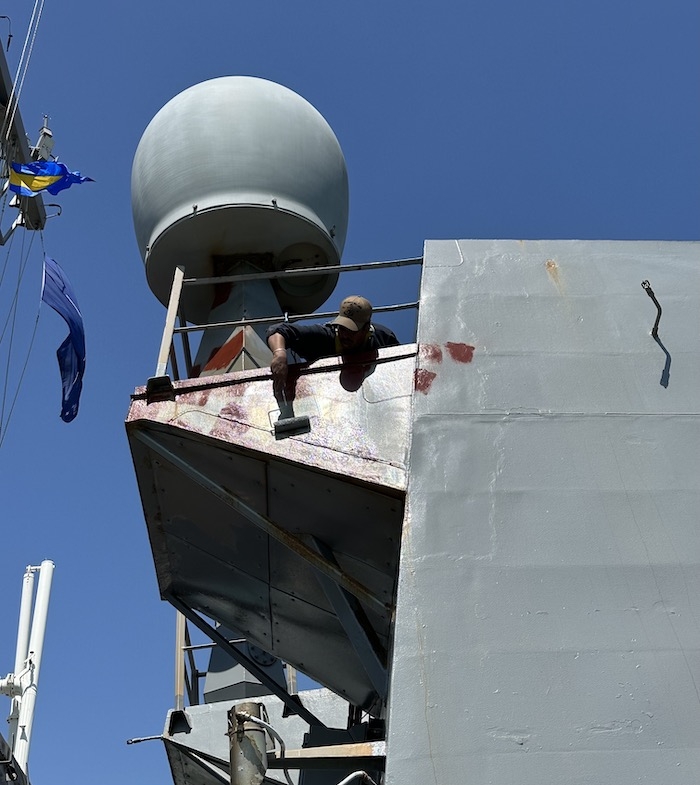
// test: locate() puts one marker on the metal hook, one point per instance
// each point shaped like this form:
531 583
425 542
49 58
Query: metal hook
647 288
57 206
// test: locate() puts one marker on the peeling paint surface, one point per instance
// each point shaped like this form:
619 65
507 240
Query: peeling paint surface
213 448
363 434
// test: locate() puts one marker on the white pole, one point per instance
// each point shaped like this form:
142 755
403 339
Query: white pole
25 620
30 679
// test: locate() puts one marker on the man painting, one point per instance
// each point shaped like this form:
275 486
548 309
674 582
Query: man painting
350 333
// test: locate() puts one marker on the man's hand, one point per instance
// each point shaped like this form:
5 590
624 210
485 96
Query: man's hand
279 369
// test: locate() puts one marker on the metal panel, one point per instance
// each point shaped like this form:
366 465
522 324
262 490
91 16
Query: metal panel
347 517
547 623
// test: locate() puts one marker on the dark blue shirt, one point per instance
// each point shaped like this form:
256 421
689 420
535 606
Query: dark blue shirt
311 341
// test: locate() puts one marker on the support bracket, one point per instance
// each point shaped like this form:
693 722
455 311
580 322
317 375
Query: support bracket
354 621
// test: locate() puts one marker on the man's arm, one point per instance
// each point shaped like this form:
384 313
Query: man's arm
309 341
278 364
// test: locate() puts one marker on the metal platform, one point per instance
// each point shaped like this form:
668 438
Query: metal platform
198 748
293 541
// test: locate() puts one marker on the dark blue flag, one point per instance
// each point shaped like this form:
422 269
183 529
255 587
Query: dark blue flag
58 293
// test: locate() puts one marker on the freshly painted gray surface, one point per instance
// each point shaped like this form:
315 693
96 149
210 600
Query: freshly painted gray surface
548 614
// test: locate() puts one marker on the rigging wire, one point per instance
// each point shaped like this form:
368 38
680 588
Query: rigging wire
22 66
7 153
3 428
12 312
7 259
12 315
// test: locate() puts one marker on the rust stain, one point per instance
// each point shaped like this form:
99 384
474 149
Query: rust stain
423 379
460 352
553 272
430 352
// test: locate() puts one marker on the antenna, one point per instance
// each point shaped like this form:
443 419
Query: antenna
42 149
21 684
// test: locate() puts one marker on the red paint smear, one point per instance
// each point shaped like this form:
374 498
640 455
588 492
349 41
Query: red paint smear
460 352
430 352
423 379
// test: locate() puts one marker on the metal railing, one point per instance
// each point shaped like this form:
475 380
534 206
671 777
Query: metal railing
188 675
175 313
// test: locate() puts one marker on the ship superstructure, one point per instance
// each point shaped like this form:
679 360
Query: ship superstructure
486 551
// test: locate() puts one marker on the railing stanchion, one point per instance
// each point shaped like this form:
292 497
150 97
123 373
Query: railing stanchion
173 306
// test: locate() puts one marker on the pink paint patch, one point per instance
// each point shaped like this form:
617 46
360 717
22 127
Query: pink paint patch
423 379
201 398
460 352
232 411
227 429
430 352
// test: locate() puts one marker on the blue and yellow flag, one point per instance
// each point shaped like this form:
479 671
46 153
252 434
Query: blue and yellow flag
38 176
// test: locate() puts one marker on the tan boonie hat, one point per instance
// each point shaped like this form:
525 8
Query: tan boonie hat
355 312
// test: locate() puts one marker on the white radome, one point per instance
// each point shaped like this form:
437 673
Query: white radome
234 166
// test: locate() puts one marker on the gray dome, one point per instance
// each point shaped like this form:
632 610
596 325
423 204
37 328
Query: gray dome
239 166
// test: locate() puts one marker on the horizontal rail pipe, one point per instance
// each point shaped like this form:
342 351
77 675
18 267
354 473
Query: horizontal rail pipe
292 318
301 271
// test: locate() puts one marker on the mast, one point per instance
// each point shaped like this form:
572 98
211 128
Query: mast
22 684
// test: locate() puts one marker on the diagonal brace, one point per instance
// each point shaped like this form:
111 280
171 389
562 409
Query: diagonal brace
292 702
354 621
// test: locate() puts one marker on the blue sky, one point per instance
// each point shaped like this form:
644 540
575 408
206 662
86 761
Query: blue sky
458 120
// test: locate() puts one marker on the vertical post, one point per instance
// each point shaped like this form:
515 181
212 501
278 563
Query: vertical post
173 306
180 623
248 747
186 345
31 677
291 672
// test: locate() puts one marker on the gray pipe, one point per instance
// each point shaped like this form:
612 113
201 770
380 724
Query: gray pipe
248 745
